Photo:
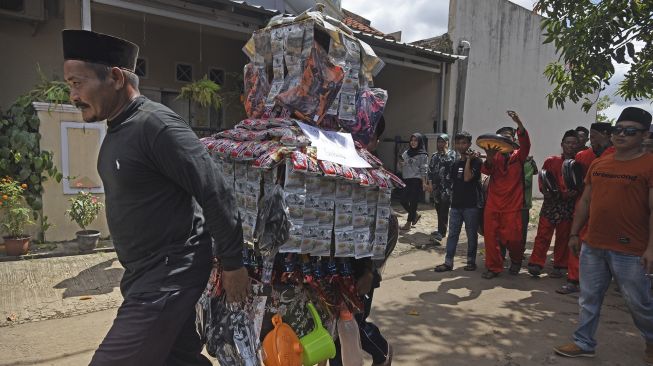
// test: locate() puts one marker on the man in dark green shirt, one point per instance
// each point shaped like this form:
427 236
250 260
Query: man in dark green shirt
165 201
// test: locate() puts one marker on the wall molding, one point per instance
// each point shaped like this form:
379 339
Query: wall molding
51 107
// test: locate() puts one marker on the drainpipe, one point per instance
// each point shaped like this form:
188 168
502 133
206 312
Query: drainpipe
463 50
86 15
443 76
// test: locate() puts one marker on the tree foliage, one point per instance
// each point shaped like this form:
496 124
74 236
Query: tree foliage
588 38
603 103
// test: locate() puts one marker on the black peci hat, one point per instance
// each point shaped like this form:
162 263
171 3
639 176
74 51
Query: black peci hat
635 114
99 48
603 127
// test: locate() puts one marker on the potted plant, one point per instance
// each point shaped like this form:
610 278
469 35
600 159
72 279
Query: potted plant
84 208
15 216
203 92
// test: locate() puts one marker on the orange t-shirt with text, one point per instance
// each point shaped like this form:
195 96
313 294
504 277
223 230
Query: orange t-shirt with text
619 207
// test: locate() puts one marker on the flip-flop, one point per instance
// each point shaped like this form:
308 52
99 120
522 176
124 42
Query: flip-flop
470 267
443 268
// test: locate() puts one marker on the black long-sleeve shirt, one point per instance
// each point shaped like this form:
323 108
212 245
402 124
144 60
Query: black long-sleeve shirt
164 201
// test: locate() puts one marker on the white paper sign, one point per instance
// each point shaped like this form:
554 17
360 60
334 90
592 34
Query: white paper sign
336 147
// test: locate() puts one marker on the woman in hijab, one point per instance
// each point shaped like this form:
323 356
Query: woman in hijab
414 172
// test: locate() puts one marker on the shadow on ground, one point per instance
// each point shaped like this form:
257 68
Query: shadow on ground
99 279
458 318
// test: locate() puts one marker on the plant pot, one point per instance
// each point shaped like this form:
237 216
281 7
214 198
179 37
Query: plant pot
17 246
87 240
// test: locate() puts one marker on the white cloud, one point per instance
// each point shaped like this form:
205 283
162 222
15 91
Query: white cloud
419 20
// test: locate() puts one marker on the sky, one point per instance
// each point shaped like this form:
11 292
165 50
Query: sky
428 18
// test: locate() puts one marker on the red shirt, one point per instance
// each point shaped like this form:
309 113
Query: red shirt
506 188
585 158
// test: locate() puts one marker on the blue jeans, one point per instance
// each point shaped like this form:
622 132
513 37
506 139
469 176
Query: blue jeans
597 268
471 217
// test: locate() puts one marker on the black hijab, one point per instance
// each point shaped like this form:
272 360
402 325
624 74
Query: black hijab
420 146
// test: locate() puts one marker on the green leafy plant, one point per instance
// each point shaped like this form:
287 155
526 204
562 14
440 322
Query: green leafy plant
47 90
204 92
15 215
21 157
84 208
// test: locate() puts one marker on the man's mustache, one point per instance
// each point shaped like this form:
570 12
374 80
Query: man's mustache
81 105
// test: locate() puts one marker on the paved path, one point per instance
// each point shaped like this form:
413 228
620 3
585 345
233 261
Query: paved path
48 288
55 311
455 318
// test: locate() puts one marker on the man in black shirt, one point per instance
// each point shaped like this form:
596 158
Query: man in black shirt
164 201
466 203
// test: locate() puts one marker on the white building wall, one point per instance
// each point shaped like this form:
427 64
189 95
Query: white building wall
505 71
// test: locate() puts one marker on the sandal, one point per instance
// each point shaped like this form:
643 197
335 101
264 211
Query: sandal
514 268
534 270
470 267
488 275
556 273
568 288
443 268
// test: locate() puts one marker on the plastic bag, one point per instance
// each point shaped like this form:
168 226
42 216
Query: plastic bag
370 104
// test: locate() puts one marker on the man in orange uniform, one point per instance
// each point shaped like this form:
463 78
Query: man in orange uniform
556 213
505 198
617 201
601 146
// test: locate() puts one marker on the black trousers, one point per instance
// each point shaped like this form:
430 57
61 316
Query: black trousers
411 196
154 328
442 210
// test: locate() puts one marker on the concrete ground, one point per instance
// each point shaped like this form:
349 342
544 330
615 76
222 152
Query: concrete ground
55 311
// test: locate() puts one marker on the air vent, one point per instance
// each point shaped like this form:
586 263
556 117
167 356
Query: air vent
30 10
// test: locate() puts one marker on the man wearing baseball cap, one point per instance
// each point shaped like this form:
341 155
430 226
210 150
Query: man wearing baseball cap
165 201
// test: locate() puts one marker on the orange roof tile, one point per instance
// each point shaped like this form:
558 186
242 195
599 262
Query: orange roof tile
357 22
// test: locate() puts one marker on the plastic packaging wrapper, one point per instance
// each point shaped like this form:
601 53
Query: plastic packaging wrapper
324 209
257 88
272 224
319 86
368 111
370 158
